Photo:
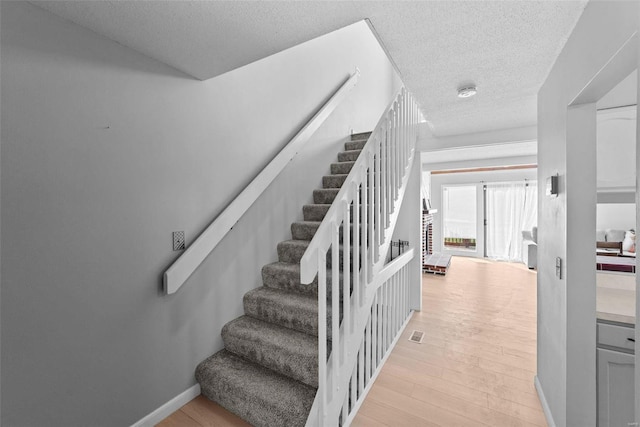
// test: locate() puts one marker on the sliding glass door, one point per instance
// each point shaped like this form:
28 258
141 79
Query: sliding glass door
460 219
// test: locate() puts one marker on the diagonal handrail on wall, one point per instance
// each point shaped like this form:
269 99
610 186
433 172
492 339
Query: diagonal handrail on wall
176 275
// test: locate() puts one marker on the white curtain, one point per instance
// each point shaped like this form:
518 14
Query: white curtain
511 208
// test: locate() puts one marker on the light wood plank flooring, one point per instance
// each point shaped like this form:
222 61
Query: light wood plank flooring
478 359
475 366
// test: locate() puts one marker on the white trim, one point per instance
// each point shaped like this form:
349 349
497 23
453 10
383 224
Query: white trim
543 402
169 408
366 390
189 261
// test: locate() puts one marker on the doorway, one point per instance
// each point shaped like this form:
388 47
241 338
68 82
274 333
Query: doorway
586 333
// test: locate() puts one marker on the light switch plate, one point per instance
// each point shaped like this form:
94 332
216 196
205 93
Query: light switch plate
552 186
178 241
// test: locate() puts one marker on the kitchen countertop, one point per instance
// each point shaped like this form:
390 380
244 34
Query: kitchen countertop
616 297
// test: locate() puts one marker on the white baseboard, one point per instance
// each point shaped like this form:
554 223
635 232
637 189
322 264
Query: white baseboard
169 408
543 402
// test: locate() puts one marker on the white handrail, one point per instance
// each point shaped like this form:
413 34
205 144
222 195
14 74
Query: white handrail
322 238
353 239
183 267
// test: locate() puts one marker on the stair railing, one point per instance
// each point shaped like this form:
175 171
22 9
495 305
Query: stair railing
176 275
362 218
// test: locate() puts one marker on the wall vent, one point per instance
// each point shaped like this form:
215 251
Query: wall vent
416 337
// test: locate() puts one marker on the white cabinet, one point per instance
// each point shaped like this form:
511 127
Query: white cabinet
616 373
615 388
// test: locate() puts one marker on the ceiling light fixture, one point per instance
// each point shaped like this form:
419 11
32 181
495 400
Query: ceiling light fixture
467 91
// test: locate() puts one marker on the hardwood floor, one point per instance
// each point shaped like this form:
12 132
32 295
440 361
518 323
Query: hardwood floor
478 359
475 366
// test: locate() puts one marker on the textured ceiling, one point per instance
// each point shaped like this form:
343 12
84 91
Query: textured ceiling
505 47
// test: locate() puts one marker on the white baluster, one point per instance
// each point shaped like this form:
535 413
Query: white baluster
368 345
345 407
374 333
354 385
408 127
408 124
364 254
371 219
387 168
335 304
383 175
399 145
394 287
355 256
385 324
402 133
322 334
361 368
380 323
378 203
405 292
348 327
394 160
396 120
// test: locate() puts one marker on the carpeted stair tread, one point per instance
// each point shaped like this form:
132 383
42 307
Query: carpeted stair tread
291 251
286 276
288 352
348 156
341 168
325 196
355 145
304 230
360 135
288 309
315 212
333 181
259 395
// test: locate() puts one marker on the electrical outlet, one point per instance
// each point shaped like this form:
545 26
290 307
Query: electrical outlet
178 241
559 267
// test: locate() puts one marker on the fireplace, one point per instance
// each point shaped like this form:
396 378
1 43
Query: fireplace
427 233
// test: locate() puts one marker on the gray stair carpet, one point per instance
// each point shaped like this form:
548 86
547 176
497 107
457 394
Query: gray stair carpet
268 371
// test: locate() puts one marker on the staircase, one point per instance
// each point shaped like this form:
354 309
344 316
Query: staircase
268 371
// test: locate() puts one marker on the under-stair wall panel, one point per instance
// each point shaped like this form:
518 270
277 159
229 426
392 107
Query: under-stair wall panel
105 152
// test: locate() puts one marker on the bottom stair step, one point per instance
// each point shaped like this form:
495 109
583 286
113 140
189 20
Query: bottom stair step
259 395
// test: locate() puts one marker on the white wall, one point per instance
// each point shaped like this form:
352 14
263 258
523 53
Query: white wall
566 306
625 93
616 149
621 216
476 178
105 152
